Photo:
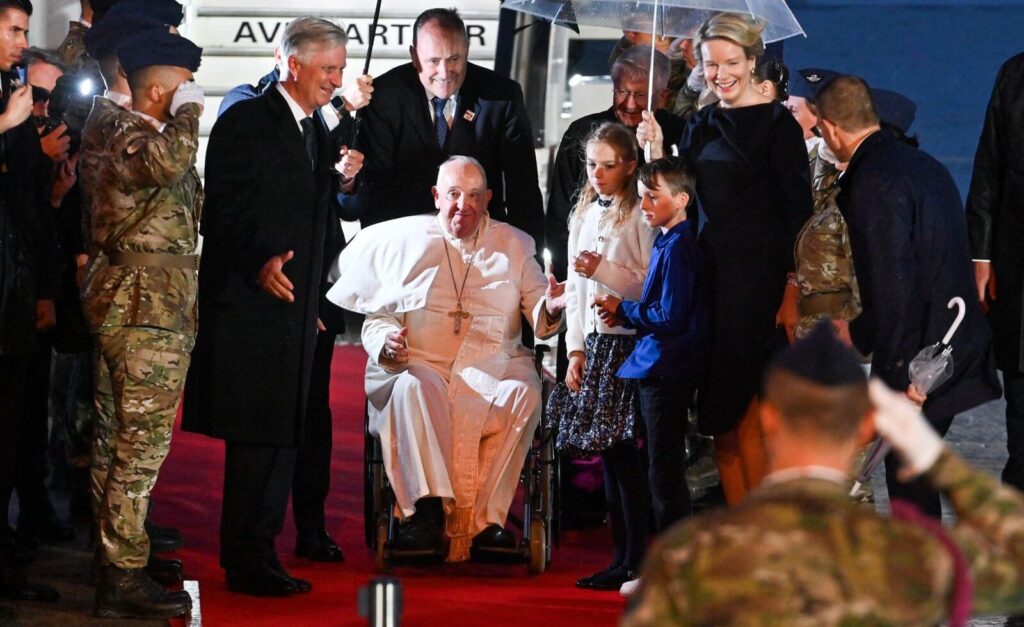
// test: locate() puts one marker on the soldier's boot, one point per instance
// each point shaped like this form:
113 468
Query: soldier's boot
165 572
131 593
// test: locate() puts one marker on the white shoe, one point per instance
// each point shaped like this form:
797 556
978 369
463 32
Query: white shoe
627 589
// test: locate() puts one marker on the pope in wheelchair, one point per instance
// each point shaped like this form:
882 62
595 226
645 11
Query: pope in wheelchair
453 396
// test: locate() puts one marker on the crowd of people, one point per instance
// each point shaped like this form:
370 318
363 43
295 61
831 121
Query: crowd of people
741 249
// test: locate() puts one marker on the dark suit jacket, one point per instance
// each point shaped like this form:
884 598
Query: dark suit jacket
910 252
402 154
569 175
995 209
251 365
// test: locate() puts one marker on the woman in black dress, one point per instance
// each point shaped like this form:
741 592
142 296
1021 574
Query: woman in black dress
754 189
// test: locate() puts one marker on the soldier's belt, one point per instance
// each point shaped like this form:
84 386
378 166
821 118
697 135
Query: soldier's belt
154 260
829 303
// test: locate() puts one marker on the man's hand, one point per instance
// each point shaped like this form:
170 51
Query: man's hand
903 425
188 91
788 315
607 309
985 281
19 107
914 396
350 162
273 280
555 298
585 264
56 144
574 374
64 180
46 315
358 93
396 347
650 131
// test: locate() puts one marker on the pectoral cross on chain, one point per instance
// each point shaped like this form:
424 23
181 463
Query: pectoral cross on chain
458 315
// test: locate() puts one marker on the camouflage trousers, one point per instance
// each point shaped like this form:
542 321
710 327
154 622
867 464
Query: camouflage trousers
140 376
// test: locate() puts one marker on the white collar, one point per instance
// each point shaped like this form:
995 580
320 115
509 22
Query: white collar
824 473
155 123
122 100
296 110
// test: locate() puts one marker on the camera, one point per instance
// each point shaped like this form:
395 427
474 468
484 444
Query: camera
70 104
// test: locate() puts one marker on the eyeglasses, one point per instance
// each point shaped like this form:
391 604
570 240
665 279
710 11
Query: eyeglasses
624 94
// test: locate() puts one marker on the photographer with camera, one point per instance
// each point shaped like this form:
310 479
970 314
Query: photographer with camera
26 284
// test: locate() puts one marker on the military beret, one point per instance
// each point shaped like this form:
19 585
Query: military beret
894 109
126 18
156 46
806 83
821 358
100 8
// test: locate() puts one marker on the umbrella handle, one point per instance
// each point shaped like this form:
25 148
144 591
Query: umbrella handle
961 311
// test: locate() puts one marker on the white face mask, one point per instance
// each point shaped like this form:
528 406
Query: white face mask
823 150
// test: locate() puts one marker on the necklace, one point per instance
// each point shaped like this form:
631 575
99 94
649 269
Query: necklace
605 203
458 314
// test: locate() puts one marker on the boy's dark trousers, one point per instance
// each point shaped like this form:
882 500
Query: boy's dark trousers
663 405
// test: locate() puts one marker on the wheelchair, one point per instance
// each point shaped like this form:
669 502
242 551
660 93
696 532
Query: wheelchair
538 493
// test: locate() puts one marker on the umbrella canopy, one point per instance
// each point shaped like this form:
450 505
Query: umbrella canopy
675 18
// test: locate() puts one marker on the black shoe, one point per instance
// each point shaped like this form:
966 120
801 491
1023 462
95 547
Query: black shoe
261 582
586 582
611 579
318 546
495 537
165 572
423 532
25 590
131 593
301 585
163 539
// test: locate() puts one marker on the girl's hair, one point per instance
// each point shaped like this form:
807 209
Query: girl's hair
768 69
742 30
623 142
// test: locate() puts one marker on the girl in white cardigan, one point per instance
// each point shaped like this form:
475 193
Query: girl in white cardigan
610 246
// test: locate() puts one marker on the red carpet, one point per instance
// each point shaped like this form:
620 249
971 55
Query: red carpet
188 496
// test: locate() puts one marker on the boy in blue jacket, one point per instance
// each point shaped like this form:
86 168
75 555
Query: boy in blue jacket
670 323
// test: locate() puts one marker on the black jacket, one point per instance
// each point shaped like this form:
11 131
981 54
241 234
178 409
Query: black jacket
910 252
995 208
402 154
251 365
569 175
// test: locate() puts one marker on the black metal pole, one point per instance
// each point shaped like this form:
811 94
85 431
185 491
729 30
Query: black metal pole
358 122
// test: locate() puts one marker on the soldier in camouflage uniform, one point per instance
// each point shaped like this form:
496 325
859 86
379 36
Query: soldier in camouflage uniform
797 551
139 295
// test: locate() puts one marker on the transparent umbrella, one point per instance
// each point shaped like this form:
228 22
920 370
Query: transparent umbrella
930 368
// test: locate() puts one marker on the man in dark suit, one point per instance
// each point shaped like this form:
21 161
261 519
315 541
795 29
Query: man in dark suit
272 182
910 253
995 223
312 479
437 106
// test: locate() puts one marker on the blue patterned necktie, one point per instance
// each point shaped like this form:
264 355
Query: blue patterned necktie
440 124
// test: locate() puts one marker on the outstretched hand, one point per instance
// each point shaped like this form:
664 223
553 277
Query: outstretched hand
555 298
273 279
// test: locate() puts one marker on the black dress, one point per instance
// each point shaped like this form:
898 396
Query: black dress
754 189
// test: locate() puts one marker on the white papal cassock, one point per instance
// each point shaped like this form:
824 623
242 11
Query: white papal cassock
457 420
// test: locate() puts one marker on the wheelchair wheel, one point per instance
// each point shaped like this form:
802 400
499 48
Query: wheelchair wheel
381 541
369 487
538 547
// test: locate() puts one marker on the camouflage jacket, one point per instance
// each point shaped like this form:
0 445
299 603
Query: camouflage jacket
824 261
143 194
801 552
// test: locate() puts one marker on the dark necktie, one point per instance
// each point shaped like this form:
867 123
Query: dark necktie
440 124
309 137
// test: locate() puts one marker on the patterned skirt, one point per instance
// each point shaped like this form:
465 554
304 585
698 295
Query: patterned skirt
601 413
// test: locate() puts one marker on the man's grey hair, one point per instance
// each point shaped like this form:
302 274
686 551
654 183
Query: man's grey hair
634 64
463 160
304 33
34 55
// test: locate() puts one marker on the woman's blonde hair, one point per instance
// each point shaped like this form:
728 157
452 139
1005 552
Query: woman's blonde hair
623 142
739 28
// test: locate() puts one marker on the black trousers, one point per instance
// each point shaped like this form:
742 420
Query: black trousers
1013 386
918 492
14 371
313 461
663 404
30 479
257 480
629 503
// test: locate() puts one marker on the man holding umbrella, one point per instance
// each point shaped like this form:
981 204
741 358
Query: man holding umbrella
910 255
